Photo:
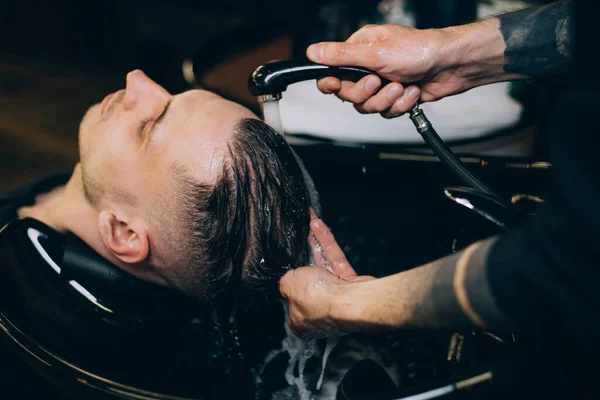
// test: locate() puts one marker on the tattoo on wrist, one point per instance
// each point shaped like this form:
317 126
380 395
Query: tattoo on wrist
538 41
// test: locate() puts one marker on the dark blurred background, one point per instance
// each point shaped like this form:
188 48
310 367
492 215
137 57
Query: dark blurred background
57 58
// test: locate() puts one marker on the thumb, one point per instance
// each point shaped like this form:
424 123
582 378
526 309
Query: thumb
338 54
286 283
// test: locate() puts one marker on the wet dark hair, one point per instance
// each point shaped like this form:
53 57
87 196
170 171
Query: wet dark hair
244 233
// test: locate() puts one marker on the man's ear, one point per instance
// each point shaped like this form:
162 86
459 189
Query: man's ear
128 241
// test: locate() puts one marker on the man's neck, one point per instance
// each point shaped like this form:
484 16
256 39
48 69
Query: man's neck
63 208
66 209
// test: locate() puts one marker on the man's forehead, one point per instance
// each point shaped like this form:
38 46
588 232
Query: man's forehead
200 101
201 125
200 95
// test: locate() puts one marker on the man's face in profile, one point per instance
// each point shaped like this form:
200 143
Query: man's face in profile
135 140
191 190
130 140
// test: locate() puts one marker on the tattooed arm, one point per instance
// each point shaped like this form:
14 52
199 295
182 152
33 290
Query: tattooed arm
524 44
537 40
529 43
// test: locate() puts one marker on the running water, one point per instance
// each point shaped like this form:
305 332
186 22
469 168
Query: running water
331 343
319 254
272 116
299 352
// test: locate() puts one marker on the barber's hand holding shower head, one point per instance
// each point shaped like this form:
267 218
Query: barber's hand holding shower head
435 59
441 62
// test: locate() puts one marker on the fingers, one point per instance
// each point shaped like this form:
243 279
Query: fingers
354 92
331 250
317 250
309 291
312 294
285 283
339 53
291 282
404 103
360 91
392 101
383 100
329 85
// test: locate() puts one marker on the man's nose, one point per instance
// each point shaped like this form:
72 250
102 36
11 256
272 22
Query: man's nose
140 89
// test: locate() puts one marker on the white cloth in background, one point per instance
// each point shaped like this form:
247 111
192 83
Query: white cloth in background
473 114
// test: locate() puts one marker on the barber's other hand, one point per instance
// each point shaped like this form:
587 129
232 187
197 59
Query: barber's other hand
398 53
318 299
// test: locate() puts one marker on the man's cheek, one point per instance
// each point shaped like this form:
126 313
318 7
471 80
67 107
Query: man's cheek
87 136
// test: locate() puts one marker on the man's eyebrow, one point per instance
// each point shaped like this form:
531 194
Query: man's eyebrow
158 121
